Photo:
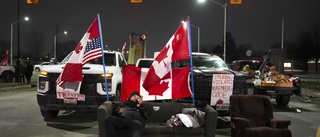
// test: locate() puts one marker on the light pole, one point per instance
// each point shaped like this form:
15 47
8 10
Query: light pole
11 43
198 35
55 43
224 26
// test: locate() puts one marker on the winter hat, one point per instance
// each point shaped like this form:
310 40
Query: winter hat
134 93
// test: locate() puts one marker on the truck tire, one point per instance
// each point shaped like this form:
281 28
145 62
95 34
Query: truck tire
118 93
48 114
7 77
37 69
283 100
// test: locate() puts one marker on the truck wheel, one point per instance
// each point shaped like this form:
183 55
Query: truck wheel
37 69
118 93
283 100
7 77
48 114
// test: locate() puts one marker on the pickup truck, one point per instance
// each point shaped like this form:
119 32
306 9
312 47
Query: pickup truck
204 67
280 93
144 62
92 90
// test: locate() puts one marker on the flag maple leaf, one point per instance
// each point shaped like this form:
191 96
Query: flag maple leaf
158 88
78 48
162 55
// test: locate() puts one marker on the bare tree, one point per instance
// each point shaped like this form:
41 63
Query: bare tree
316 54
4 45
65 48
35 42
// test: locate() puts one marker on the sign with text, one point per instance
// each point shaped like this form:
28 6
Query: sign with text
222 87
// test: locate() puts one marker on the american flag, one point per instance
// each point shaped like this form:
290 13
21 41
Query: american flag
92 51
89 48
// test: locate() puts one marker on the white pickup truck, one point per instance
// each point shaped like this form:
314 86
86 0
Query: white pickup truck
93 88
144 62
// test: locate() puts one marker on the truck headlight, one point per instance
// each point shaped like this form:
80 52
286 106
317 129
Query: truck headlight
104 86
42 84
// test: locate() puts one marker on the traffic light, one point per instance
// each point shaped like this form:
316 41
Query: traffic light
136 1
235 1
32 1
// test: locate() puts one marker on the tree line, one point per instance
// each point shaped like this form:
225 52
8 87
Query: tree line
305 48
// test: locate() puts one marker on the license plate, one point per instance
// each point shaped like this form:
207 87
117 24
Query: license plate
222 107
70 101
68 95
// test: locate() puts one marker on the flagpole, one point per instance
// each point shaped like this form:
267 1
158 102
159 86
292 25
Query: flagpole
145 45
103 62
191 65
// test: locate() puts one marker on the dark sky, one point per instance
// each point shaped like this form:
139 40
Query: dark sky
256 22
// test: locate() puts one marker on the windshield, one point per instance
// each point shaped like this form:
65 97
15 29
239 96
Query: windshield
109 59
202 62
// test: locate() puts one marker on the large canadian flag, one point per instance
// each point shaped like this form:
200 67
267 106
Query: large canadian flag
177 48
173 87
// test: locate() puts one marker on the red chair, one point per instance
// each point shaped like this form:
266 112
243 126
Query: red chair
252 116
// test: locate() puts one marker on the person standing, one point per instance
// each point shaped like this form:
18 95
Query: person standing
29 72
130 114
17 73
22 73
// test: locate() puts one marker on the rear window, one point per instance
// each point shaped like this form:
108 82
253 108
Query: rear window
202 62
145 63
109 59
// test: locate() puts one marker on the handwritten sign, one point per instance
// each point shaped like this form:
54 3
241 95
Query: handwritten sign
222 88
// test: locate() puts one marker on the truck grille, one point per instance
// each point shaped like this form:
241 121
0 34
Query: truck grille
203 84
88 85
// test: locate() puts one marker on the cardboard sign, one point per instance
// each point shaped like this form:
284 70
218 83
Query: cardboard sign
222 88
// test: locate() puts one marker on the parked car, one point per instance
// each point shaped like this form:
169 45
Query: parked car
92 91
38 67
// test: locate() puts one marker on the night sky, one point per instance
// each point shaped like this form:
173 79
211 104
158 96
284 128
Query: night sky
255 22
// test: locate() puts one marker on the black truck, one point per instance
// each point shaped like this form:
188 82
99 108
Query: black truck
205 66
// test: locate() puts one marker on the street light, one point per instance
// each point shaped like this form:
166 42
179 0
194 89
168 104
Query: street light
224 27
11 43
198 35
55 43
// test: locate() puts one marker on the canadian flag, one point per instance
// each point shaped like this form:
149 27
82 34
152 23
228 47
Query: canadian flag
177 48
160 78
88 49
173 87
5 59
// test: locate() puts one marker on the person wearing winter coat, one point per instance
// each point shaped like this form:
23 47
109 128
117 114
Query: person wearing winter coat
131 114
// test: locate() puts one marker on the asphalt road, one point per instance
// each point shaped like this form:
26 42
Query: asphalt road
20 116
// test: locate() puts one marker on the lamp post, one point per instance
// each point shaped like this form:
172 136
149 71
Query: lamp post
224 26
198 35
55 43
11 43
